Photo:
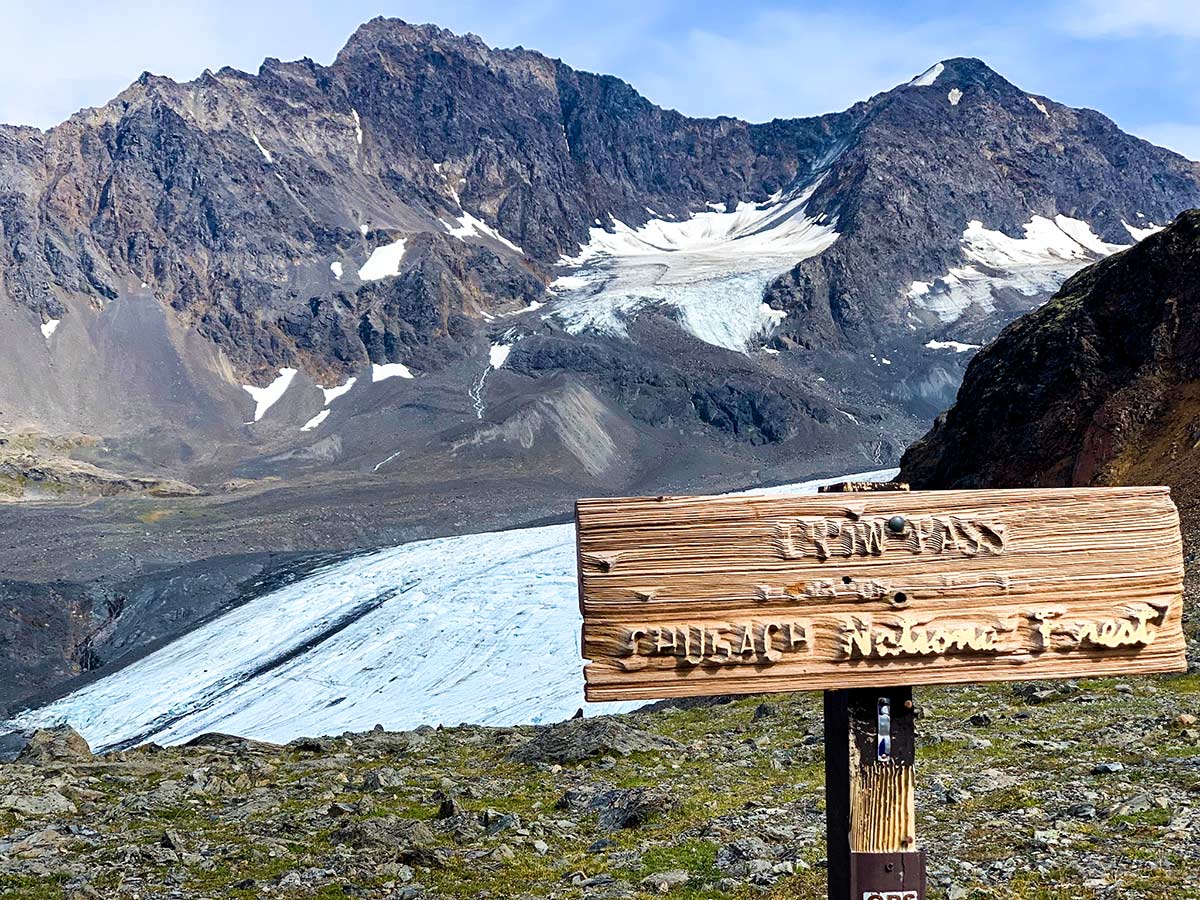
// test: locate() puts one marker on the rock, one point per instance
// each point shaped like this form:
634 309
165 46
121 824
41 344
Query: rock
580 739
382 779
766 711
55 745
1082 811
494 823
46 804
745 856
663 882
1137 804
172 840
540 847
630 808
389 831
1108 768
1185 720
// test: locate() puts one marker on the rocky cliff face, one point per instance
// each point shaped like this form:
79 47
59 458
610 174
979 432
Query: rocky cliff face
397 205
1099 386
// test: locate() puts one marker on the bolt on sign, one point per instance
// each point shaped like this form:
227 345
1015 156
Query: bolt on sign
687 596
857 591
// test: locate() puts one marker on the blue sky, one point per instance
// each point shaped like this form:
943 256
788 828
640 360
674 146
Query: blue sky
1138 61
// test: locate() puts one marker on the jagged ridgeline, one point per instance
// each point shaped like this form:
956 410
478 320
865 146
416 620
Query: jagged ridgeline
429 203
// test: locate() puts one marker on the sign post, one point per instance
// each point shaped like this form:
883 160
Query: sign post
864 594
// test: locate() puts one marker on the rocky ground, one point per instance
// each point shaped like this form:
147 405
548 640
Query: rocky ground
1086 789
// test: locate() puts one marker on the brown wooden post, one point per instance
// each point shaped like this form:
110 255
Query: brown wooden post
870 804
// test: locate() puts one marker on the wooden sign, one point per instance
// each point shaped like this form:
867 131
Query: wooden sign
686 596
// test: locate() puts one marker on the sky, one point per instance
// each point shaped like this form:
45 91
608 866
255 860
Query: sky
1138 61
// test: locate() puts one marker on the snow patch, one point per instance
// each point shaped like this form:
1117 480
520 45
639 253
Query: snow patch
315 421
333 393
1041 106
956 346
1038 263
336 269
389 370
401 636
1139 234
363 229
265 152
469 227
384 262
929 76
498 355
954 96
49 328
358 135
266 397
711 269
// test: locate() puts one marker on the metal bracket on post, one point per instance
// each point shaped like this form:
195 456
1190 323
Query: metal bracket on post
870 746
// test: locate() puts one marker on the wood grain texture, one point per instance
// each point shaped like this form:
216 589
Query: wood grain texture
687 596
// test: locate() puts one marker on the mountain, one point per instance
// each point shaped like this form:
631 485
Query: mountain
1099 386
437 288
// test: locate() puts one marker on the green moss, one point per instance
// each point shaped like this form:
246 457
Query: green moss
30 887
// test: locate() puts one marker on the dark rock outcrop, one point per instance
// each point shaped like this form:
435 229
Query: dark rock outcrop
1099 386
579 739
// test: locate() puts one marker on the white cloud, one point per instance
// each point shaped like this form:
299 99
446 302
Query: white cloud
1133 18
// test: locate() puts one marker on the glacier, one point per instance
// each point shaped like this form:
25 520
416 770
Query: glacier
712 269
481 628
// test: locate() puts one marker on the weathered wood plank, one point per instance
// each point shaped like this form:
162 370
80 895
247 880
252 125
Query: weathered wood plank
711 595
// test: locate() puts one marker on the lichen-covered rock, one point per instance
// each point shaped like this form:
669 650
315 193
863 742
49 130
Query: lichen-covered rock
55 745
580 739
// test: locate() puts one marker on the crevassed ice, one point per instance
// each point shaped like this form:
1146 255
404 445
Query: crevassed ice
266 397
403 637
712 269
1050 251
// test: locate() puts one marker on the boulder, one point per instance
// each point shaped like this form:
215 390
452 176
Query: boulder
579 739
62 744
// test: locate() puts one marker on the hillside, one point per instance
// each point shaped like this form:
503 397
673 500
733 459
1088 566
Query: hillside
1076 790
